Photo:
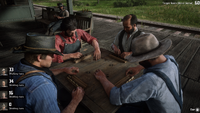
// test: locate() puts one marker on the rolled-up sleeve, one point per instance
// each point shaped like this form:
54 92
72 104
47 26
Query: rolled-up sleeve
66 14
137 90
59 47
45 99
85 36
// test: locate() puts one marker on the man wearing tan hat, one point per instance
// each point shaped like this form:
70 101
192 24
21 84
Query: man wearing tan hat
40 89
158 90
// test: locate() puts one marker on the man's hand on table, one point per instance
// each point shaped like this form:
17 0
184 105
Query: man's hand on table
99 75
107 85
134 70
116 50
125 54
97 54
77 94
71 70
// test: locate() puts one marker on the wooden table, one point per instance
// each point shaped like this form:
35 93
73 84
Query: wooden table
95 97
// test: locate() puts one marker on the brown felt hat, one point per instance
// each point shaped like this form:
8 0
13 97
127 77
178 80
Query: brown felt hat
38 43
146 47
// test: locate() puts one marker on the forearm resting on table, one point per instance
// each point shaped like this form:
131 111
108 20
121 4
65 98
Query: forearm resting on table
107 85
57 71
67 56
71 107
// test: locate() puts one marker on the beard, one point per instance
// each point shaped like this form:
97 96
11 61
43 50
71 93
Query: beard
145 64
131 31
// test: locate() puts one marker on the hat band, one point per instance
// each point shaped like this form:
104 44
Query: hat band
40 48
148 51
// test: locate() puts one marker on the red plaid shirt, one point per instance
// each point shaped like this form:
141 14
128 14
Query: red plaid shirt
59 44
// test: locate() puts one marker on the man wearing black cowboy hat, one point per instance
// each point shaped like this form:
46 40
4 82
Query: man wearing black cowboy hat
68 41
52 27
40 89
158 90
122 43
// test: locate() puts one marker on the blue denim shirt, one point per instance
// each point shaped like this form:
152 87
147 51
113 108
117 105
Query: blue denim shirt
40 93
151 89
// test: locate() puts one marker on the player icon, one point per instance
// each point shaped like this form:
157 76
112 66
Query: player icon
3 83
3 72
3 107
3 95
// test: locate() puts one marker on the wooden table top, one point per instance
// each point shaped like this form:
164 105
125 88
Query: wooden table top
95 97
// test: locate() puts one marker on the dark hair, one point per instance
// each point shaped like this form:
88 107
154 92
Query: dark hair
31 57
69 23
133 18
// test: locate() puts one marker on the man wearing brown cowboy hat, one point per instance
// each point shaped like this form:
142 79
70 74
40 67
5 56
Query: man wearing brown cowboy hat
158 90
52 27
40 89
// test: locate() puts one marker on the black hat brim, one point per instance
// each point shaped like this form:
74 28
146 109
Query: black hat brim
38 51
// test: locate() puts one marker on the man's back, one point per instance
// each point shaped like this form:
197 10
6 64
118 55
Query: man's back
150 88
164 101
39 91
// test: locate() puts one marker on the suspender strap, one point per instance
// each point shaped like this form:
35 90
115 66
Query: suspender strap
62 37
33 73
169 84
27 73
179 77
121 38
76 35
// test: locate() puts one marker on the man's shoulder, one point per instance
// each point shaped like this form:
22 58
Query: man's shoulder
79 30
141 32
36 81
58 36
151 76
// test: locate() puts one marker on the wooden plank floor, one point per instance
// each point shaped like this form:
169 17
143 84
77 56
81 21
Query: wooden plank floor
185 50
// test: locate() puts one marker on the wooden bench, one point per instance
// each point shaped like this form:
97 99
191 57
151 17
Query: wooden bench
83 23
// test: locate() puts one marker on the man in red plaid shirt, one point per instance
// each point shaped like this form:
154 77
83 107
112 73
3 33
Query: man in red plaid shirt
69 41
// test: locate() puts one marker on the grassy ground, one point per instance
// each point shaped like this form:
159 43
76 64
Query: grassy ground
154 10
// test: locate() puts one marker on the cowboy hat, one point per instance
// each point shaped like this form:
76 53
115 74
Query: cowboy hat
38 43
146 47
60 5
